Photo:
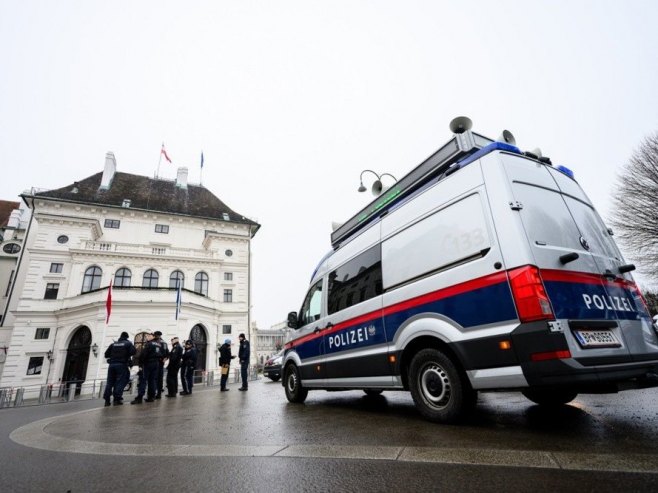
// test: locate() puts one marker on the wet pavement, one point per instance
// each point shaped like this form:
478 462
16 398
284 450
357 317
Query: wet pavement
254 440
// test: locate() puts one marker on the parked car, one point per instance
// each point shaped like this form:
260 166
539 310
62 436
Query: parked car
272 369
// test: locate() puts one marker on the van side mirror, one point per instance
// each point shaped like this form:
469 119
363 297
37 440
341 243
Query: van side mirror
292 320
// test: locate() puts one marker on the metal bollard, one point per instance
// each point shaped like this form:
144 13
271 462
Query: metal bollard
43 394
71 392
101 389
211 378
18 401
5 397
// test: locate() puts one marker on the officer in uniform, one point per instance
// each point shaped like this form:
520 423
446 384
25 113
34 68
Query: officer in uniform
188 366
119 355
149 360
243 356
165 351
175 358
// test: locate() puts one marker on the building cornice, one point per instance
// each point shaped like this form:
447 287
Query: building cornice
93 224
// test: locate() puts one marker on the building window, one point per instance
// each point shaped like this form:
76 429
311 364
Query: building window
92 279
56 268
11 248
225 216
228 296
229 253
35 365
177 279
42 333
62 239
355 281
112 223
226 329
228 276
150 279
122 278
201 283
52 288
162 228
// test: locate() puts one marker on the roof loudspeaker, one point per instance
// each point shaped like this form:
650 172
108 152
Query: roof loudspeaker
460 124
507 137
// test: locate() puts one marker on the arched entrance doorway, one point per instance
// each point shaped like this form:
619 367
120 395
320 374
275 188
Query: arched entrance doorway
200 339
77 358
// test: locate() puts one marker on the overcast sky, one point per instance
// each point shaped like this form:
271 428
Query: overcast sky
291 100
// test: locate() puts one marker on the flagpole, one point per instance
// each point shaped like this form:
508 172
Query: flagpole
201 172
157 173
107 321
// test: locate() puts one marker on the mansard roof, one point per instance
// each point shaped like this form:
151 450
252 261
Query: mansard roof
148 194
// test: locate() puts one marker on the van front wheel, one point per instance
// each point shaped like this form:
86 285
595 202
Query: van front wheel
437 388
293 384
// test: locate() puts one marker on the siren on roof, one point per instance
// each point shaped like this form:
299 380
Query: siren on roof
507 137
460 124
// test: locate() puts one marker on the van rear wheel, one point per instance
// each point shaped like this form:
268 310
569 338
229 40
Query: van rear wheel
293 385
550 397
438 390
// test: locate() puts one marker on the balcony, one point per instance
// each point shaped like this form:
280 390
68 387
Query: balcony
147 250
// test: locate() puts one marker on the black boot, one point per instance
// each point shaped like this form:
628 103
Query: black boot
138 400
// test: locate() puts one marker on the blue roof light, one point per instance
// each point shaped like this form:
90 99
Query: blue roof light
566 171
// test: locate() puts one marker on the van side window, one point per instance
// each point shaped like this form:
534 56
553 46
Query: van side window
312 307
355 281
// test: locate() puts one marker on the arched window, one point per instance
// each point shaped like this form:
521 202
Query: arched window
150 279
122 278
176 279
201 283
92 279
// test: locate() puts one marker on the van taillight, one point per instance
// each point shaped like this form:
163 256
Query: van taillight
531 300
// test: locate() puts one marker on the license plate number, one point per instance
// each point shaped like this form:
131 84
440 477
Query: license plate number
596 338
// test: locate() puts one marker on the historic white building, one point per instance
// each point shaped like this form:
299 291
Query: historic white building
146 236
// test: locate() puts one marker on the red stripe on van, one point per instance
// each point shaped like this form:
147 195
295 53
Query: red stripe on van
585 278
481 282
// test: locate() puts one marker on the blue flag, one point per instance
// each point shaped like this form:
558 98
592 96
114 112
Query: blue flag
178 300
201 159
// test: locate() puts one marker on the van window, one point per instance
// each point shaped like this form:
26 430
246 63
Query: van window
312 307
451 235
592 229
355 281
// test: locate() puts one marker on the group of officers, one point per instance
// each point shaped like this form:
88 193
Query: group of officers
151 361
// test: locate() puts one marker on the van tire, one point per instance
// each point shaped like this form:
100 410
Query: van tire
550 397
293 385
438 390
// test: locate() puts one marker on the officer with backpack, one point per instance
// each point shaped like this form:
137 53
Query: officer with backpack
119 355
149 361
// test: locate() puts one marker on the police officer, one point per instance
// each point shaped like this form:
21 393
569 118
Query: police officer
243 356
175 359
157 338
149 360
225 358
119 355
187 368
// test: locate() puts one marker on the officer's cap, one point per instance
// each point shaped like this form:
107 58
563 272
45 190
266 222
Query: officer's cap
157 333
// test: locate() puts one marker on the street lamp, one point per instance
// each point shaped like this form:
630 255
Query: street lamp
94 349
377 187
49 355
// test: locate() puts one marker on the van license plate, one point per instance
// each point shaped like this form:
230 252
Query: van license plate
596 338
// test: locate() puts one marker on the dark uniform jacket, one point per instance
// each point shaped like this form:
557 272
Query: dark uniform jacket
175 356
225 354
243 352
189 357
151 352
120 352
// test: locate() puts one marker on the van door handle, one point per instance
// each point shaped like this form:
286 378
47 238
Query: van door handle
328 326
316 330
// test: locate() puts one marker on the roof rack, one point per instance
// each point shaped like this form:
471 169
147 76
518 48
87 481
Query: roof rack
460 146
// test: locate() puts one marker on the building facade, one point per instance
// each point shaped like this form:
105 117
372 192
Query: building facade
270 341
153 241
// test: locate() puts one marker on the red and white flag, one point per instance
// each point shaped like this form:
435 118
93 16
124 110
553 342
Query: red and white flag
165 153
108 303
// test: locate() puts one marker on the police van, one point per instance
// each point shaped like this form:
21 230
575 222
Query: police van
484 268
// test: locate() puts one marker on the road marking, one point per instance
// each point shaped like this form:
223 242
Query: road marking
34 435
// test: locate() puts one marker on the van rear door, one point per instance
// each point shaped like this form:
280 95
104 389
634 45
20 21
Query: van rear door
560 221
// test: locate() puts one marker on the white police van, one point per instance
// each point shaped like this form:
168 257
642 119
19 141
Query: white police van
484 268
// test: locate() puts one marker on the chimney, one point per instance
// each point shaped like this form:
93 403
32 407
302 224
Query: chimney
181 178
108 172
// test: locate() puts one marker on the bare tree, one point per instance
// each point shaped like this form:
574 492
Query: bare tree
635 204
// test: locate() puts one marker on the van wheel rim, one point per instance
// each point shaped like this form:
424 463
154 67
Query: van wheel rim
435 385
292 381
